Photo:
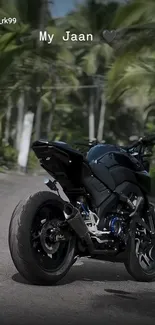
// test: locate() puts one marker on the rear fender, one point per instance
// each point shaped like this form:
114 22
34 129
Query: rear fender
46 151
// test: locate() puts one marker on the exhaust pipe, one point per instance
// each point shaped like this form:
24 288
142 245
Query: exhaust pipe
75 220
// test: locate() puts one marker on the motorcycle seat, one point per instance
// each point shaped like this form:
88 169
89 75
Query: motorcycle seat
60 145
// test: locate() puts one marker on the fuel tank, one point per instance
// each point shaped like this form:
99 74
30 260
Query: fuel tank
113 166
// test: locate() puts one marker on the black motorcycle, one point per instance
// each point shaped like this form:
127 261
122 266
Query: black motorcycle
106 214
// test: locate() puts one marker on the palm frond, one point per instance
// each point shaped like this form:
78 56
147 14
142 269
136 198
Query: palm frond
139 73
135 12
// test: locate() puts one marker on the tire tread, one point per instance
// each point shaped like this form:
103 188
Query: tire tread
18 242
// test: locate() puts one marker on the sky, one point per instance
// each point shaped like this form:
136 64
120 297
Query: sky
61 7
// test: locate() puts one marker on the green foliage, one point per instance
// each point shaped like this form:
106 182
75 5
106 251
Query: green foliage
8 156
135 12
33 162
124 70
152 174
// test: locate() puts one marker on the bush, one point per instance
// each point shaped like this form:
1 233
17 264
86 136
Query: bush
8 156
152 174
33 162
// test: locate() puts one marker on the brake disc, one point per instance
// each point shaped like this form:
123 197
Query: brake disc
48 238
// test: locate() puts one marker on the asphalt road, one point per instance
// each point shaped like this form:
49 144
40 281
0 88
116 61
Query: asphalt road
93 292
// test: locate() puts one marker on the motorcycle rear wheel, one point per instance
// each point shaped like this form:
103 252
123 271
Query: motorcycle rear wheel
37 258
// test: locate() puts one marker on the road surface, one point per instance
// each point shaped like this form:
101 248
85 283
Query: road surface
93 292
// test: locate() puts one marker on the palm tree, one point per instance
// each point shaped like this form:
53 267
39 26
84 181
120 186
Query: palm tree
136 22
135 13
132 71
42 23
92 58
32 65
10 43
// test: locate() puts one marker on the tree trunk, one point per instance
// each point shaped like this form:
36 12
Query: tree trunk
38 121
7 123
49 126
20 117
50 120
43 11
91 118
101 119
25 141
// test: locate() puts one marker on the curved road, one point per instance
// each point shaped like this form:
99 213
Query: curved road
93 292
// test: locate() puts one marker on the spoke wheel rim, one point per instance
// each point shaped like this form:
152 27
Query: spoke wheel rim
145 253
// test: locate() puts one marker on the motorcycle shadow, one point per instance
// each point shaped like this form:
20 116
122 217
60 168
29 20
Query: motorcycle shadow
89 271
136 308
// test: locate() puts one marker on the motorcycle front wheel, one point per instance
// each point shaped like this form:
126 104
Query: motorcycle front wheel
40 252
140 259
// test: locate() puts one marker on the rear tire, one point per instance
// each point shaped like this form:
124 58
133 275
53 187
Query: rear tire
20 241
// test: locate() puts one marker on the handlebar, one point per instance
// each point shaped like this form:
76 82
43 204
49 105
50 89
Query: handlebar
146 141
143 141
